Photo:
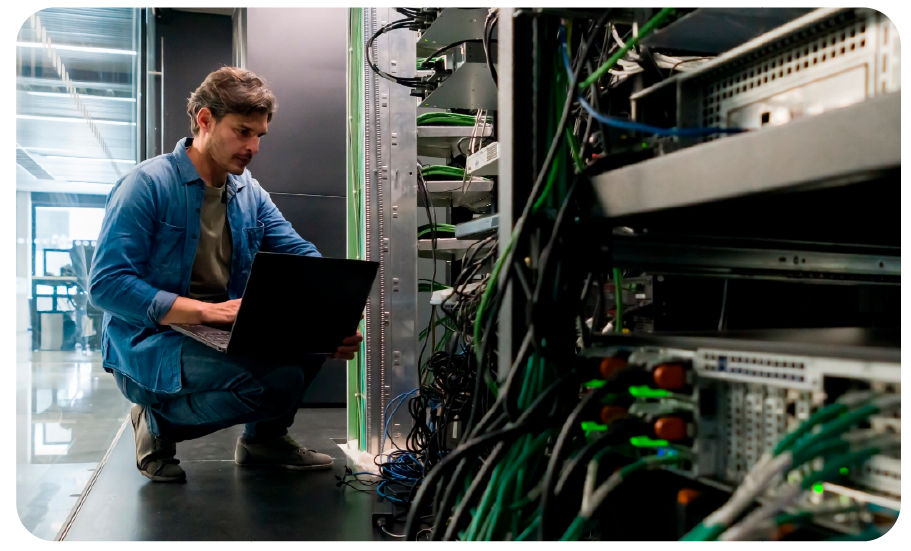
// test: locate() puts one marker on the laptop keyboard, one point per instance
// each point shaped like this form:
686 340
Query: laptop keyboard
211 335
221 339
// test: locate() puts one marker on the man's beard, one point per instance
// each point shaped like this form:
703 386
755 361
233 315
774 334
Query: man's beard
228 163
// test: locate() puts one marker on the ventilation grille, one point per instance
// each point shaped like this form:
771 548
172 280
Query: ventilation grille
492 152
827 45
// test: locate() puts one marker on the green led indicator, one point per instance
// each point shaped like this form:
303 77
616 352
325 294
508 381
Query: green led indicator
646 442
844 471
644 145
595 383
818 487
646 392
591 426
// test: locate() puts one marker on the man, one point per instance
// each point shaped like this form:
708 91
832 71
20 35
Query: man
176 245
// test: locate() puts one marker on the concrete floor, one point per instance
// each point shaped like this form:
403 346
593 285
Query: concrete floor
223 502
68 411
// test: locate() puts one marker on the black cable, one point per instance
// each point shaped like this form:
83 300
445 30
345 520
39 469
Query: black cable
445 478
428 207
407 23
723 319
489 23
424 65
555 143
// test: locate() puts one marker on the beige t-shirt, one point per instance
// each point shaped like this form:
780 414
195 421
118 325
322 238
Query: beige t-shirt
212 267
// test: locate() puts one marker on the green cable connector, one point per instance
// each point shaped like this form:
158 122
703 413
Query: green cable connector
704 533
646 442
828 473
835 427
647 392
825 414
595 383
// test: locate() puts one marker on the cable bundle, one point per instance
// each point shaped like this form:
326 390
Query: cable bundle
500 483
799 448
446 119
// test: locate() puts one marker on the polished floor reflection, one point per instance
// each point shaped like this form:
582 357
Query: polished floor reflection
68 411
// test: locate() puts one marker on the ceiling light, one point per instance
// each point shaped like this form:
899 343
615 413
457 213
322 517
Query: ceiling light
73 119
76 48
97 159
83 96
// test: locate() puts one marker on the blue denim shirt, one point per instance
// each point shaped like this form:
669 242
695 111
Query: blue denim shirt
145 254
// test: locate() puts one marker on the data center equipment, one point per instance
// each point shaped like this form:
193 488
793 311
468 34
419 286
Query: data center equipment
651 297
485 162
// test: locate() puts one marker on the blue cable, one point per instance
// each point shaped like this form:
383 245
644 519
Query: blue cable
632 126
386 411
381 494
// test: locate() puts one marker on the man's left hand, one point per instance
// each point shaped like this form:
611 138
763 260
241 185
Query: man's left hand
349 347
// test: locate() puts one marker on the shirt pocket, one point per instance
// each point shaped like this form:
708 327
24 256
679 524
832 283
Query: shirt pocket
254 240
167 248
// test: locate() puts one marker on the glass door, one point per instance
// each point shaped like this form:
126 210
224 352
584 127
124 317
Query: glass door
78 113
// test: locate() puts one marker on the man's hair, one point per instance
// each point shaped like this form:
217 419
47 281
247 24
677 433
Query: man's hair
231 90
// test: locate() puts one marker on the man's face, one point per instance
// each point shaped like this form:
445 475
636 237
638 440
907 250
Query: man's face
234 140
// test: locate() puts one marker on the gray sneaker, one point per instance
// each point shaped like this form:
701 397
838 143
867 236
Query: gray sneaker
154 456
283 452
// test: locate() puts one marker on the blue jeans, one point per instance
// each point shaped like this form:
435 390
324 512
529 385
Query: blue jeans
220 391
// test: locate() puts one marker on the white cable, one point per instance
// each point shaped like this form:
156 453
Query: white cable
787 497
755 482
591 476
888 403
598 495
854 399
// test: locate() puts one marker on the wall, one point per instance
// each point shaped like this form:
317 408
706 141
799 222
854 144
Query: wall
195 44
301 53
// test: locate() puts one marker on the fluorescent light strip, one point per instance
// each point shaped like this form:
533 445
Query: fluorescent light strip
73 119
44 149
83 96
97 159
77 48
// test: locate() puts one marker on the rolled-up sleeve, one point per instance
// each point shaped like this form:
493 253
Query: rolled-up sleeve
278 235
122 255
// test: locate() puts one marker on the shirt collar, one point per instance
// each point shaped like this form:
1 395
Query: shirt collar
188 173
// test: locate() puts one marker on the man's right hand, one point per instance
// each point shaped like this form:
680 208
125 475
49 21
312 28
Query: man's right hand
221 313
187 310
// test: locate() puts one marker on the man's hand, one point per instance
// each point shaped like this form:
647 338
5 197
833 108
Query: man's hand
349 347
187 310
222 313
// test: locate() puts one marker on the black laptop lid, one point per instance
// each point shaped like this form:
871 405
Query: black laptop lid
296 305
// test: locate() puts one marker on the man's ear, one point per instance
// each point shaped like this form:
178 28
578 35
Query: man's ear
204 119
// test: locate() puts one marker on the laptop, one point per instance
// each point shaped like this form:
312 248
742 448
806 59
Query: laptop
293 305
